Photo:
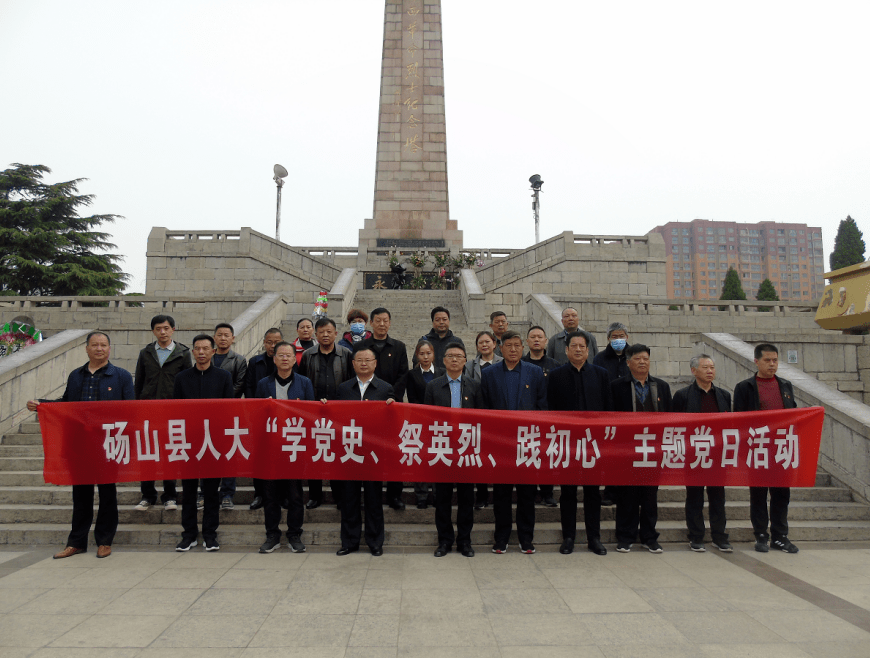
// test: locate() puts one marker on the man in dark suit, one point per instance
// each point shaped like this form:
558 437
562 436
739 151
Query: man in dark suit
579 386
761 392
203 381
458 392
701 397
637 506
261 366
365 386
392 356
516 386
284 384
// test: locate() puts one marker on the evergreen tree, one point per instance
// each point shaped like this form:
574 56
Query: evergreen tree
766 293
731 288
46 247
848 245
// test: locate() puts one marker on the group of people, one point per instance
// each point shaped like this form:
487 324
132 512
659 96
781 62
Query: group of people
566 372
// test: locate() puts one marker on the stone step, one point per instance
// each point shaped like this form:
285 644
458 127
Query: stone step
21 439
21 464
327 534
33 451
241 515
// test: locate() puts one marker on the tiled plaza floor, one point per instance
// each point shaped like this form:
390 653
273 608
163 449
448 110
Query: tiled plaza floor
149 603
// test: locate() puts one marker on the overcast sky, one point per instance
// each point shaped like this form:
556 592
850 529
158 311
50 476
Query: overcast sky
634 113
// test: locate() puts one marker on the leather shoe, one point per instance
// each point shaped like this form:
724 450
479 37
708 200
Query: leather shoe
104 551
377 551
567 546
466 550
397 504
347 550
312 503
597 547
442 550
257 503
69 551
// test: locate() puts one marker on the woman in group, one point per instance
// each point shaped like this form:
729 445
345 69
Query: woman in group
304 337
414 384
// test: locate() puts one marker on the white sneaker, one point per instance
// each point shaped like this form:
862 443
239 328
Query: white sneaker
143 505
170 505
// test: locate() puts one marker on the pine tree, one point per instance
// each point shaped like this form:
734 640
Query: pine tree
731 288
766 293
848 245
46 247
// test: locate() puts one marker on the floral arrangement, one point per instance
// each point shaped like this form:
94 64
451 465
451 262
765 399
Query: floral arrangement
419 258
17 335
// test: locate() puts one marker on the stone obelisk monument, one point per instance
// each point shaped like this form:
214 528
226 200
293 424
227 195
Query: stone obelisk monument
411 209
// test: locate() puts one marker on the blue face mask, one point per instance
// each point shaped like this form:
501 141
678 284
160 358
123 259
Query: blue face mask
357 328
618 344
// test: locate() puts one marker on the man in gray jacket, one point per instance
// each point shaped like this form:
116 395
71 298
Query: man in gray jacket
556 346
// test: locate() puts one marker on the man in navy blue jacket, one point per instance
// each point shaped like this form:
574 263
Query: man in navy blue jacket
580 386
203 381
95 381
284 384
515 386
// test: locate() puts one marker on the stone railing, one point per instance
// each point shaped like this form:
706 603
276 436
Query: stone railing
38 371
342 293
252 323
472 297
845 447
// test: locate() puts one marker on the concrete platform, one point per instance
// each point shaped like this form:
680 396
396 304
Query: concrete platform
155 602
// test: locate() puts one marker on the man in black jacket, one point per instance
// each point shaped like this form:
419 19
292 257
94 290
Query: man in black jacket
637 506
579 386
235 364
364 386
440 335
392 356
701 397
261 366
327 365
96 381
761 392
156 368
203 381
458 392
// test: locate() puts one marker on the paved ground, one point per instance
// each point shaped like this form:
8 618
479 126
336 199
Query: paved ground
407 603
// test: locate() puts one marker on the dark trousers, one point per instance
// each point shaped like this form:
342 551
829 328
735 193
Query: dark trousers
546 490
227 487
83 515
464 513
276 491
394 490
149 491
636 508
501 503
482 495
695 513
778 519
315 491
259 488
351 516
210 512
591 511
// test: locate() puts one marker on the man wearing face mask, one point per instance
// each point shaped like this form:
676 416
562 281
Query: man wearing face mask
357 320
612 358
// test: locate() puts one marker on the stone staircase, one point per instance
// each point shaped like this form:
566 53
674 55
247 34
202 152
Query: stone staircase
32 512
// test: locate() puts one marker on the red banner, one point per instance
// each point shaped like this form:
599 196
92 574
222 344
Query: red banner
87 442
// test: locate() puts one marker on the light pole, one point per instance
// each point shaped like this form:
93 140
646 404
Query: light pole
280 175
536 203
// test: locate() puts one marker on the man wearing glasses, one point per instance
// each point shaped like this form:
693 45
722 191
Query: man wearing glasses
458 392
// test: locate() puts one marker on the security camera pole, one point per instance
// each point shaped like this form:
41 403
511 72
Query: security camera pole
536 203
